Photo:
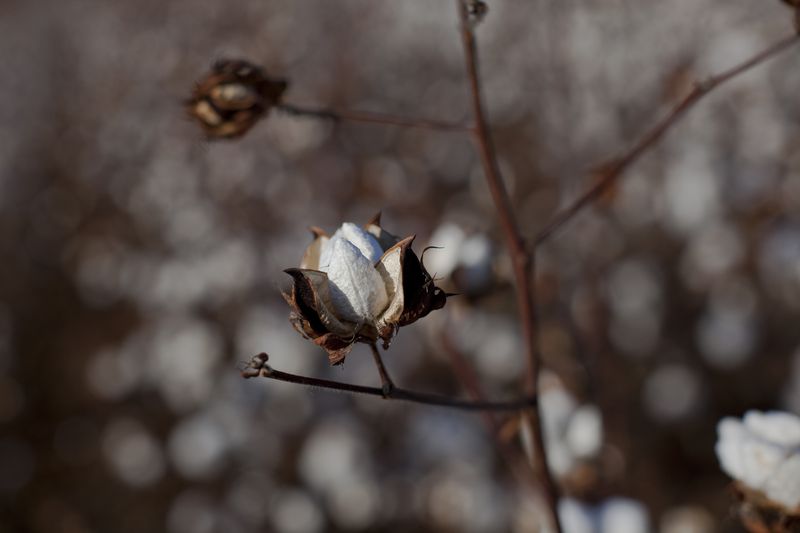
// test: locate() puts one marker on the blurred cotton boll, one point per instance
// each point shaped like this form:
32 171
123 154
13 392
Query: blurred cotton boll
464 258
672 392
461 497
197 446
572 432
635 296
335 452
184 352
493 340
133 452
763 452
193 511
711 252
726 336
294 511
615 515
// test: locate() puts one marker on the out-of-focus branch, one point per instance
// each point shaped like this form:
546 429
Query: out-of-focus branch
614 169
469 379
522 259
258 367
339 115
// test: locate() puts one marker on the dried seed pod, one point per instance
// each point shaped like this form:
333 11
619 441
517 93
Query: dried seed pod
233 97
359 285
476 10
758 514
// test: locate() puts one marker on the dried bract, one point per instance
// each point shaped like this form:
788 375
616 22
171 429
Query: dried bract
359 285
233 97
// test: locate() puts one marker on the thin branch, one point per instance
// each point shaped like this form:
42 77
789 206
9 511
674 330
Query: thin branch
614 169
258 367
338 115
387 385
522 260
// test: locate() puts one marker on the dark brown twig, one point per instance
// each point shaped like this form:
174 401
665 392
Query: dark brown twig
522 260
338 115
387 385
258 367
615 168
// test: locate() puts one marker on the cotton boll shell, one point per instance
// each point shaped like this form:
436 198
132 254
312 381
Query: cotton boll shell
230 99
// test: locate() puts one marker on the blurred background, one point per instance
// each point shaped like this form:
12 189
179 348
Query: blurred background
143 264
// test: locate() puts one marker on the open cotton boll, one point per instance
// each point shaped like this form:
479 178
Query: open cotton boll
360 285
357 290
747 458
763 452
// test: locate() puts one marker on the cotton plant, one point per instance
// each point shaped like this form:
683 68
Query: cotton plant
761 452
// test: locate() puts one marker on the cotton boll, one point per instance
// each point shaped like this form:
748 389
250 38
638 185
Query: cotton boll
449 238
763 452
584 434
133 453
622 515
334 453
294 511
575 517
672 392
615 515
476 260
197 447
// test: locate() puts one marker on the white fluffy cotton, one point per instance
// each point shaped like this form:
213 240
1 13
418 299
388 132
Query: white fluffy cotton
763 451
358 292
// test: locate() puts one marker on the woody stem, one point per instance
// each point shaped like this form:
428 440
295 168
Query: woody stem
258 367
340 115
522 261
387 385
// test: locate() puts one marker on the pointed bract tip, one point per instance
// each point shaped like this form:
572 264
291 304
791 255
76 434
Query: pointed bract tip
317 232
375 220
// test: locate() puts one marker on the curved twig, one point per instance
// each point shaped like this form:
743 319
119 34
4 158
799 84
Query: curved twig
616 167
258 367
522 261
337 115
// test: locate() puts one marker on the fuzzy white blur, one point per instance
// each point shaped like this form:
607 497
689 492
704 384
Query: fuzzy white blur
763 452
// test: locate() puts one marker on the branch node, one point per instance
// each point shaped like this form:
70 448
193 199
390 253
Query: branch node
257 367
387 389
